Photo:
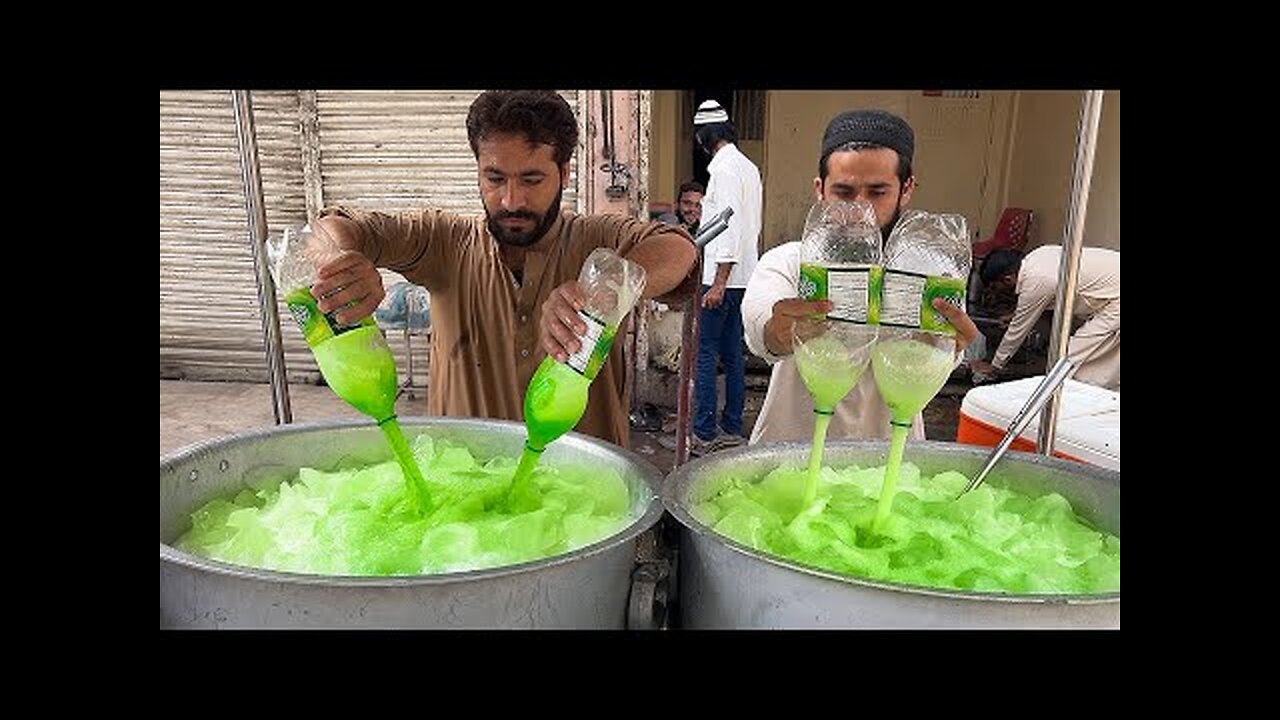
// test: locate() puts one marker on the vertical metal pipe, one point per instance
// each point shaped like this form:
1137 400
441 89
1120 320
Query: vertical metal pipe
257 220
1072 244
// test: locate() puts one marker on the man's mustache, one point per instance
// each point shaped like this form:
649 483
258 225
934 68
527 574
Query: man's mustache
518 215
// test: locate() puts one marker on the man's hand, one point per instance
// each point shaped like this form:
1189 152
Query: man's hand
983 371
778 332
966 331
350 283
713 297
562 328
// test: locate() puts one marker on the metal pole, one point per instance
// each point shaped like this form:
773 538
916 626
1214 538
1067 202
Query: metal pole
257 216
689 340
688 349
1072 244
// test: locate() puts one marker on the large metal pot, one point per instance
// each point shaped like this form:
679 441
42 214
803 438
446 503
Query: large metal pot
724 584
586 588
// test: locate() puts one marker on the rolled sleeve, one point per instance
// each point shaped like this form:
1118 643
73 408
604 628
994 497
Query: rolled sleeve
774 279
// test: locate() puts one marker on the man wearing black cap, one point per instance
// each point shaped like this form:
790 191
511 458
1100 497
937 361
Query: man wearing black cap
865 155
727 264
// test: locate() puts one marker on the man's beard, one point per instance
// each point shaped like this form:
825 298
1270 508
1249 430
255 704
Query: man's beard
888 227
523 238
690 223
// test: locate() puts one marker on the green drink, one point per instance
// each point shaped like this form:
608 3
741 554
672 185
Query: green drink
909 371
355 360
553 404
839 262
990 540
926 256
827 370
557 394
830 357
358 366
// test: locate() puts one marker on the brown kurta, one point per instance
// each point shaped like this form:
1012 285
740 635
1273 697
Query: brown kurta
485 342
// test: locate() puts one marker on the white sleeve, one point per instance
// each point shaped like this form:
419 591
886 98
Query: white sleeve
774 279
729 194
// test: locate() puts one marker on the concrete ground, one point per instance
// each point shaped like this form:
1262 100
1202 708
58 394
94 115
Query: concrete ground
192 412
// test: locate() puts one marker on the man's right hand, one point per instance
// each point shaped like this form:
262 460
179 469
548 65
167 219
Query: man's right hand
778 331
351 283
561 328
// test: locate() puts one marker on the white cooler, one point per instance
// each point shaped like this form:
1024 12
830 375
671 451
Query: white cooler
1088 420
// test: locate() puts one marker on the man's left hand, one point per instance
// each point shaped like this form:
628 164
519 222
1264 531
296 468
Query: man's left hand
713 297
966 331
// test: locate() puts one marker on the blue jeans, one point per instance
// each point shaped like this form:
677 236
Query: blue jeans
719 338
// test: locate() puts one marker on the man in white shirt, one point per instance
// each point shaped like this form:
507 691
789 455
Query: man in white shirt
865 155
1034 279
727 264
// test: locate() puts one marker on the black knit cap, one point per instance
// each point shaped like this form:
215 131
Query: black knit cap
870 126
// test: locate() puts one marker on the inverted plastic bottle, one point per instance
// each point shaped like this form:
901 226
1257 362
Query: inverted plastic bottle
355 360
927 256
840 261
557 393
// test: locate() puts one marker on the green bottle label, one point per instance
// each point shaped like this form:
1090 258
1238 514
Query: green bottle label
852 289
596 343
906 300
813 282
316 326
875 294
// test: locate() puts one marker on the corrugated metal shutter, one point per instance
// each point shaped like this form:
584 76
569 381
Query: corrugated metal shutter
210 323
378 149
402 150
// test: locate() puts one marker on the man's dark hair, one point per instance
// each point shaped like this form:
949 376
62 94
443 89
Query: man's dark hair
708 135
904 164
690 186
541 116
999 263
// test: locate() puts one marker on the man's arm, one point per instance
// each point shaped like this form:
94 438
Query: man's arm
770 306
715 294
355 243
1033 296
728 246
667 255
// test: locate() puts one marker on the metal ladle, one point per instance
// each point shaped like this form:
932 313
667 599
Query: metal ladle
1060 372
